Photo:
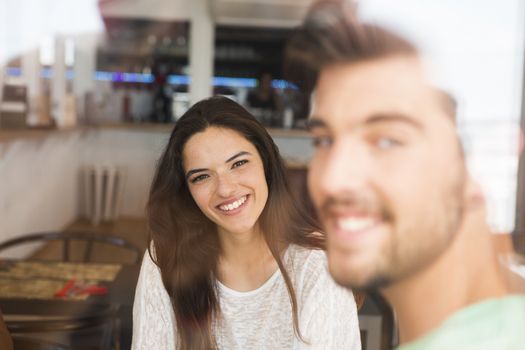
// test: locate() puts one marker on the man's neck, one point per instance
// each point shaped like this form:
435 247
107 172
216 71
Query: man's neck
466 273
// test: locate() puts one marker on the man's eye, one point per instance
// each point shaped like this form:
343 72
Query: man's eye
321 141
239 163
199 178
387 143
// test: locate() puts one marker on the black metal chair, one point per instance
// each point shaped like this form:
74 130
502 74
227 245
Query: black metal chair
377 324
67 238
89 326
29 343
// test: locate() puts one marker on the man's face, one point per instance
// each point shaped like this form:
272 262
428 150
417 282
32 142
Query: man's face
388 174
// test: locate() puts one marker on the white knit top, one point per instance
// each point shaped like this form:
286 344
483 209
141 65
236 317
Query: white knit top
261 318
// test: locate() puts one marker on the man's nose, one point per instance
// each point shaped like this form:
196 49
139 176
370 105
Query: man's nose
345 169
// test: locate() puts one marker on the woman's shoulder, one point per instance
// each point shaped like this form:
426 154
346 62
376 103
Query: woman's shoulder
150 290
300 254
305 261
149 270
312 281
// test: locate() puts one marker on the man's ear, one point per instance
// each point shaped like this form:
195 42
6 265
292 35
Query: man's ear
474 196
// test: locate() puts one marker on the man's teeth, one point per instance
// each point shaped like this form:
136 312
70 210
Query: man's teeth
356 224
233 205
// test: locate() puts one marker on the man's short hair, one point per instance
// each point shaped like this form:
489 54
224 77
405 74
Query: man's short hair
332 34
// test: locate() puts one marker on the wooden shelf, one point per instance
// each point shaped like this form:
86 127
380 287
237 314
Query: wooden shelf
9 135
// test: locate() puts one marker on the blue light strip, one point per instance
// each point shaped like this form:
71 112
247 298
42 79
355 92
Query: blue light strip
13 72
175 79
125 77
46 73
179 79
283 84
234 82
103 76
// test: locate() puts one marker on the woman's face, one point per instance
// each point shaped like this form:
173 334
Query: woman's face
225 175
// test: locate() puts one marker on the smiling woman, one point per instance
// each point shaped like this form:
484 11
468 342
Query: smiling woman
230 190
234 261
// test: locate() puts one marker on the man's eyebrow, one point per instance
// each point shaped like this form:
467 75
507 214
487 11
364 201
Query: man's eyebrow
315 122
393 118
242 153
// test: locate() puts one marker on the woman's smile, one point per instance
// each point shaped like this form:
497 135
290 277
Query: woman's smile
225 176
233 206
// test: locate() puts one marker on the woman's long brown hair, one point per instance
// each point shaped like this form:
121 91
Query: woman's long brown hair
185 242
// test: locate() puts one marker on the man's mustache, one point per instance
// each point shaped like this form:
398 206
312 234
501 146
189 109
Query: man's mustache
361 203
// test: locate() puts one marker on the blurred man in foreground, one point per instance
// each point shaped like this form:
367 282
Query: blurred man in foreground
390 184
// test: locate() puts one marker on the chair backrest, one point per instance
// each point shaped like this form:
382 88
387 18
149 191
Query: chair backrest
30 343
377 324
92 326
72 236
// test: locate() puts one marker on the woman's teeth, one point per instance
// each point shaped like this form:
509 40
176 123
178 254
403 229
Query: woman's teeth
233 205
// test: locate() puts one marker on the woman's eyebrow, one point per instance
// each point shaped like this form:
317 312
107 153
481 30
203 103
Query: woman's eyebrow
193 171
242 153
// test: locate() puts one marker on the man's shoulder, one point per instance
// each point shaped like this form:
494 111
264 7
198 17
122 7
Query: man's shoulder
491 324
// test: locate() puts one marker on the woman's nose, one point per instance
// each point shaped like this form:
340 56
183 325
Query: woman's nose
226 186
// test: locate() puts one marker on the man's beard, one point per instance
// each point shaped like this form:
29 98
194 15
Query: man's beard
411 247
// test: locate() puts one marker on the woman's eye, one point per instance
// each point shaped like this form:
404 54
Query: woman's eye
322 141
387 143
199 178
239 163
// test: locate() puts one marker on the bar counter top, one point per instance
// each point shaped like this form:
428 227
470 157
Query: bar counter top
156 127
7 135
294 144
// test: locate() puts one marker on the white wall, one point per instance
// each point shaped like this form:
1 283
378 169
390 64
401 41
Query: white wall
40 177
38 184
136 151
